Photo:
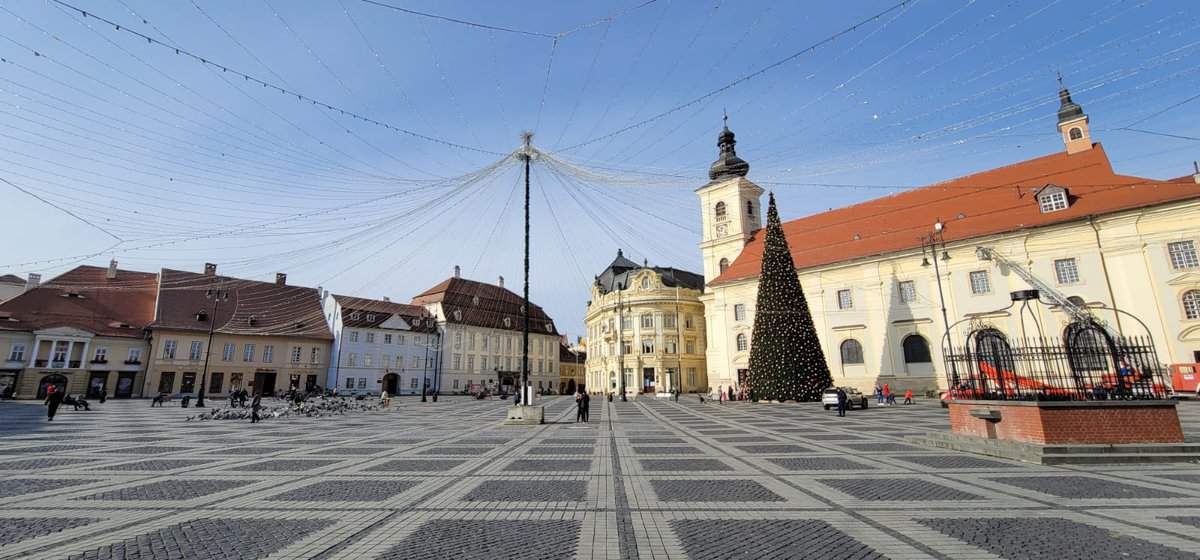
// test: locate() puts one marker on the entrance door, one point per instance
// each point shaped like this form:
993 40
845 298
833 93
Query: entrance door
52 379
391 384
216 382
648 380
310 384
294 381
96 384
264 382
125 385
188 385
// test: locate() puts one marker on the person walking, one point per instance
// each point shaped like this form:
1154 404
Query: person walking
54 398
878 395
721 393
587 407
908 396
254 406
578 407
842 399
887 394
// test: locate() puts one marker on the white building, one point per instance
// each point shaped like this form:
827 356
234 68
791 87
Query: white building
380 346
481 329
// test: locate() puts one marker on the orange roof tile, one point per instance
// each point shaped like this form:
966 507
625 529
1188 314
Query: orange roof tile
987 203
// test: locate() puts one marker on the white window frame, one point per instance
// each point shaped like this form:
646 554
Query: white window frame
16 353
908 291
1066 271
739 312
135 354
980 282
1052 201
742 342
100 354
196 351
1182 255
248 353
845 299
1191 305
168 351
268 353
296 354
370 338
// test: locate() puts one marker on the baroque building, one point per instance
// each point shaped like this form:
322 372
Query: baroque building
480 326
1100 238
380 345
645 330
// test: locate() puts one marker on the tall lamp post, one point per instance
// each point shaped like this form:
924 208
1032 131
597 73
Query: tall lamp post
527 156
933 241
215 297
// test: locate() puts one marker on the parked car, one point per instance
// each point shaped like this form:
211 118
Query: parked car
853 397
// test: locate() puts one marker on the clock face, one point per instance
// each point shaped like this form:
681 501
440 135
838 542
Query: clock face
721 229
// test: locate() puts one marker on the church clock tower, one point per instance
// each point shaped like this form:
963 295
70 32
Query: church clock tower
730 208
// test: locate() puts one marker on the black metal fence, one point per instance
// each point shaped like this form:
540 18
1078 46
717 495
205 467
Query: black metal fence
1086 364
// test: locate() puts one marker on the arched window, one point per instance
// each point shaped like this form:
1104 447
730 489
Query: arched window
1191 304
1075 133
749 207
723 265
719 211
742 343
852 352
916 350
645 282
993 350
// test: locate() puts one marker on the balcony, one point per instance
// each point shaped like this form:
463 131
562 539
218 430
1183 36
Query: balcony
133 362
99 361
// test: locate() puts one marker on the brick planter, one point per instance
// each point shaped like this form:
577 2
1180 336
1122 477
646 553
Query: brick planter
1068 422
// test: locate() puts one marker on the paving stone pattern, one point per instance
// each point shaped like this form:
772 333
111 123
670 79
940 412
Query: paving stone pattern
646 478
751 539
1030 539
205 539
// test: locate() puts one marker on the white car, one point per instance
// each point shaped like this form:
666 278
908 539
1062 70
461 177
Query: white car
853 397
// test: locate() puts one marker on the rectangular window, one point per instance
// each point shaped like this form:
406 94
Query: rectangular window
669 321
647 321
248 353
226 351
470 362
135 356
353 336
296 352
487 339
691 377
483 362
385 360
739 312
690 346
215 382
370 338
413 384
349 382
188 384
314 357
352 360
981 283
101 355
268 353
627 347
455 384
16 353
687 322
168 350
908 292
60 352
845 299
1183 255
669 346
402 340
1066 271
457 361
166 382
1053 201
387 339
457 340
367 360
362 382
647 345
471 341
415 362
196 351
626 322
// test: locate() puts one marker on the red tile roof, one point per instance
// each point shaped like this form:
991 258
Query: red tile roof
992 202
252 307
484 305
418 318
12 279
85 298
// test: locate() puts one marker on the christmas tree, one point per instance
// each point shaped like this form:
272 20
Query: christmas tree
786 361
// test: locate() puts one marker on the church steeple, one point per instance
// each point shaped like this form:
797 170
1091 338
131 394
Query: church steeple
728 165
1072 122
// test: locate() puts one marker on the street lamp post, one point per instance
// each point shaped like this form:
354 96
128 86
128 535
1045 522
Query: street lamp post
215 297
932 241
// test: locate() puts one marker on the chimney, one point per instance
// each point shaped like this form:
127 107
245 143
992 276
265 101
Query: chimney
280 279
1196 175
210 269
387 299
34 281
112 269
501 281
457 272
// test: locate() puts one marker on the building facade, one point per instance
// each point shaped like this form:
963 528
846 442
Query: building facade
83 332
265 337
572 369
379 345
1103 239
645 330
480 326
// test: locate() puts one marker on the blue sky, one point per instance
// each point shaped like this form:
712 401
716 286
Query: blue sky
184 163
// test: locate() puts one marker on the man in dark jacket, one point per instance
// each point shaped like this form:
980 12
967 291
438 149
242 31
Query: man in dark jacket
587 405
842 400
54 398
254 406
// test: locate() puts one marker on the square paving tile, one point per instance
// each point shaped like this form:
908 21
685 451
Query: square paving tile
297 465
211 539
1083 487
723 490
458 539
768 449
170 490
549 465
681 465
14 530
954 462
21 486
43 463
529 491
655 439
450 451
819 464
560 450
798 539
156 465
350 451
416 465
664 450
346 491
1030 539
894 489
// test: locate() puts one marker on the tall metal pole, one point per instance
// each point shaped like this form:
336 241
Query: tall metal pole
212 322
937 272
621 341
525 308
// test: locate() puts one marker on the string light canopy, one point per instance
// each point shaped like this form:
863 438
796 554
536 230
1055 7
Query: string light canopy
786 360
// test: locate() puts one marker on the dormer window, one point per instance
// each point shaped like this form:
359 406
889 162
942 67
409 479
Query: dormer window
457 317
370 316
252 321
354 316
1052 198
73 295
202 316
475 300
507 322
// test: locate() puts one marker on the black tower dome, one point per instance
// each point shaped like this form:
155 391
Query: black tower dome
729 165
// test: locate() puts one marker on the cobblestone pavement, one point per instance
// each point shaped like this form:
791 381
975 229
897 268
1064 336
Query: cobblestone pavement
645 479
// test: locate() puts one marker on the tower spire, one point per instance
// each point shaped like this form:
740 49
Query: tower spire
728 165
1072 121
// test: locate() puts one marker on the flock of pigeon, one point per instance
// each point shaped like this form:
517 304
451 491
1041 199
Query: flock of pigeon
282 408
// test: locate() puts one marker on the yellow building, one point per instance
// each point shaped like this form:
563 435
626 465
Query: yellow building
572 369
1101 239
645 330
266 337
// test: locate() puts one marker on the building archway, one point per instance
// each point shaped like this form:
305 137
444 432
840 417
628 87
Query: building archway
391 384
570 386
59 381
